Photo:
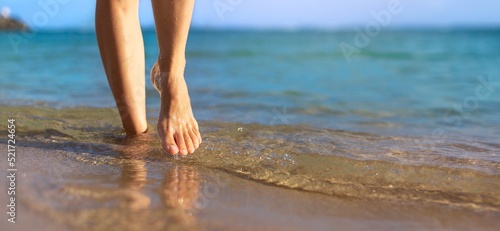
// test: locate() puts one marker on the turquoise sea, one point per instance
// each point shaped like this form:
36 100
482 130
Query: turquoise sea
414 115
403 82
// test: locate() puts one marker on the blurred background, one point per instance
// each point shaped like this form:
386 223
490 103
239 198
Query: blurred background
279 14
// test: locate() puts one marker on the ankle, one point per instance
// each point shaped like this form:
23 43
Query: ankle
173 88
172 66
134 128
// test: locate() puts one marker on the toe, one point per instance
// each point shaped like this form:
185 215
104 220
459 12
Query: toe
169 144
196 135
194 139
179 138
189 143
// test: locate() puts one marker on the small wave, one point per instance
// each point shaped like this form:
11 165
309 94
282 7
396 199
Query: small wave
333 162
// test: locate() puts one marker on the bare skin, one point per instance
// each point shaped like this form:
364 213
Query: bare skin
122 52
177 126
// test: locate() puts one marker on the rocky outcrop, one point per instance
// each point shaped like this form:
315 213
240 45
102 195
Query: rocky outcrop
11 24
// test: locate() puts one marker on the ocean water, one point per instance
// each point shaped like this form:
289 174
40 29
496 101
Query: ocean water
414 116
406 82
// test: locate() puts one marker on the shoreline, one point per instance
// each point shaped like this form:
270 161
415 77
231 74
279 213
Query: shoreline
58 190
332 162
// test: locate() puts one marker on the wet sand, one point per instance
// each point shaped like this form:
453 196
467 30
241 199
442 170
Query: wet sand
58 191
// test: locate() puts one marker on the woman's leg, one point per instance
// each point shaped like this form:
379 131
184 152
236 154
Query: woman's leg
177 126
122 52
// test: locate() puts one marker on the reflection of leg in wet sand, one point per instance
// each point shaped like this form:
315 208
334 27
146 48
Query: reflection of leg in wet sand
134 172
126 200
180 189
133 178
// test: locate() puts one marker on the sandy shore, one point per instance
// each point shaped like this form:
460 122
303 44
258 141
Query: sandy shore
56 190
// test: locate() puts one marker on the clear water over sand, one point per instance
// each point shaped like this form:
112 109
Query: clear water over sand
395 136
80 172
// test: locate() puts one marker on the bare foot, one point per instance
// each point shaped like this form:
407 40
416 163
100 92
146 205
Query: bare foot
177 126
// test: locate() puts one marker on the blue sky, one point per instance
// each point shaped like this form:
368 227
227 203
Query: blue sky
284 14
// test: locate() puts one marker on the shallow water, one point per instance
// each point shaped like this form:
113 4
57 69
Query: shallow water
60 192
332 162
